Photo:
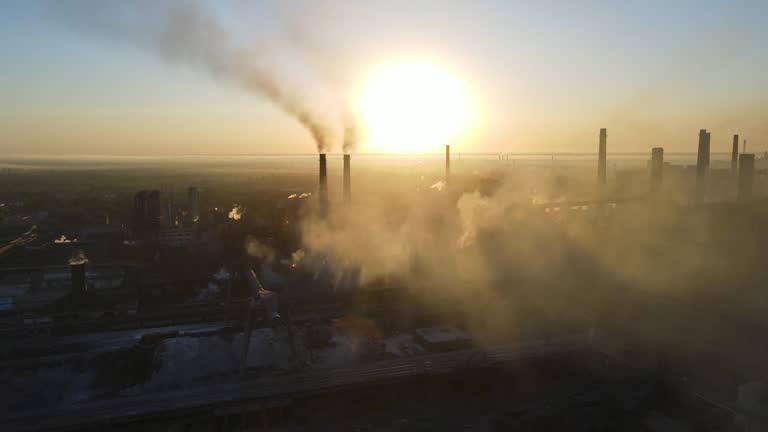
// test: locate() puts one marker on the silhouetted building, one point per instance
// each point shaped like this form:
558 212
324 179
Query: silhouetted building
347 179
657 166
602 154
193 196
746 174
735 154
146 210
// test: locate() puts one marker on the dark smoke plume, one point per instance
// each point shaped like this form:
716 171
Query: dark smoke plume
186 32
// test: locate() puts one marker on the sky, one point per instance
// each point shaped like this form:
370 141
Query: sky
80 77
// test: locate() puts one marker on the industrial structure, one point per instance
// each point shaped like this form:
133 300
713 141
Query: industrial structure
269 358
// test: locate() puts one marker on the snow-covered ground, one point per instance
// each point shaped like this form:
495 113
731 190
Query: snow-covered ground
349 350
186 361
43 387
402 345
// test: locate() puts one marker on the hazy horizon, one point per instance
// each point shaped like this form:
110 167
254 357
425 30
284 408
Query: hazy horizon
82 77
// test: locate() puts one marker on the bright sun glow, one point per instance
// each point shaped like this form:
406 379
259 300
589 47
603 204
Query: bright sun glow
413 107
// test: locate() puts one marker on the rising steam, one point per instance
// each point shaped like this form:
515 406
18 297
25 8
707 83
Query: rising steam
189 32
78 258
236 213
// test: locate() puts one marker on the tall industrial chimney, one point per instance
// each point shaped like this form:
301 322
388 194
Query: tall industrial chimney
347 179
735 155
447 164
602 155
746 173
702 165
657 166
323 193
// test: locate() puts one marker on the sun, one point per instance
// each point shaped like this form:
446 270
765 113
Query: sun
412 107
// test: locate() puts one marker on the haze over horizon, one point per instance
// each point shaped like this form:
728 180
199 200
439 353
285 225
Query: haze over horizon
535 78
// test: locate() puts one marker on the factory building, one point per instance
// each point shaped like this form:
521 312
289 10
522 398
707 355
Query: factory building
146 210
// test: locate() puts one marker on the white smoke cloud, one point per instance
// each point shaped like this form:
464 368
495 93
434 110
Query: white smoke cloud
481 248
255 248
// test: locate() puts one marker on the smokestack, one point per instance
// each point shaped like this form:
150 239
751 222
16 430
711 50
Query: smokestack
601 156
746 173
702 165
447 163
657 165
735 155
323 193
347 179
